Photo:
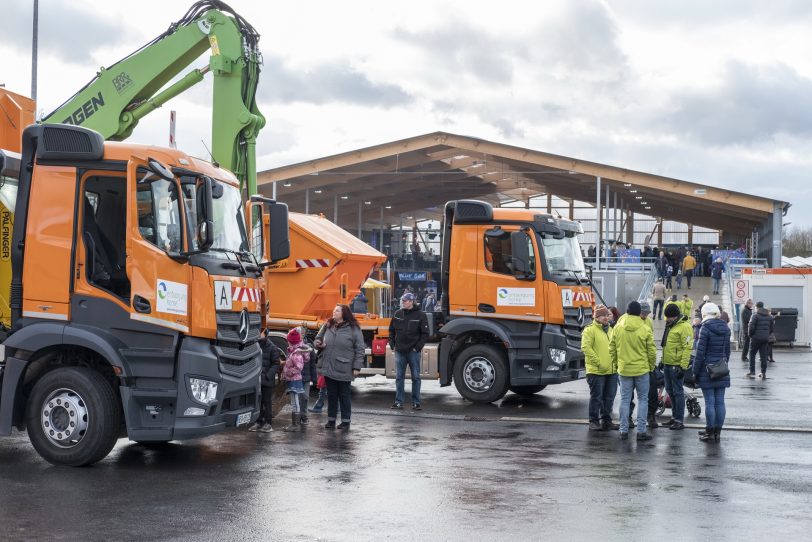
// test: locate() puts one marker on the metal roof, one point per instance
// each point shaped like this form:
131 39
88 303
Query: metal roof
416 176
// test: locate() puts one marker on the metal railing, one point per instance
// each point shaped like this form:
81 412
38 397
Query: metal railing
645 292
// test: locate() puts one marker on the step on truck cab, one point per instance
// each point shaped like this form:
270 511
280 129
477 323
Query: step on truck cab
517 299
134 299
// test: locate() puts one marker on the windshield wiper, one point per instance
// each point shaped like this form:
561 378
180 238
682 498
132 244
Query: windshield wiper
236 254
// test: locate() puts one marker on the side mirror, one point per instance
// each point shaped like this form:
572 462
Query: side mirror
521 258
205 228
279 236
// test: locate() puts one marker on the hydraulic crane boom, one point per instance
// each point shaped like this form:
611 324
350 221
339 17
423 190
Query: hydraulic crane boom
125 92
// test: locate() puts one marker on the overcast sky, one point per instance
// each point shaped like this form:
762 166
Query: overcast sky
713 92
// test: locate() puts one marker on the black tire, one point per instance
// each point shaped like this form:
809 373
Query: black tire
660 407
69 399
527 391
481 373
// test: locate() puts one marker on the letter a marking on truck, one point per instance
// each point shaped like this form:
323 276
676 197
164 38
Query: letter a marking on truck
222 295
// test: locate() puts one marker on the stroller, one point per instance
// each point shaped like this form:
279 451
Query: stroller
692 405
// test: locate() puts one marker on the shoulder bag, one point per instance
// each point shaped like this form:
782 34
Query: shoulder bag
717 369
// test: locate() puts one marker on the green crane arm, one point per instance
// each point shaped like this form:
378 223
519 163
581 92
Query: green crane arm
122 94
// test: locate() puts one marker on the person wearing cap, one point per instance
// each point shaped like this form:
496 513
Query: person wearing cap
634 356
677 343
600 372
716 274
408 333
760 327
712 346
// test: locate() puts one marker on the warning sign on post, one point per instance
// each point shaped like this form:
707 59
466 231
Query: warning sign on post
741 290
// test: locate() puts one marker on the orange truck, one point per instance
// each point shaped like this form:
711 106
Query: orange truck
133 300
516 297
327 266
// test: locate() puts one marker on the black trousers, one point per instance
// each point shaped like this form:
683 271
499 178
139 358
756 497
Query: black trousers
745 346
265 405
763 349
338 394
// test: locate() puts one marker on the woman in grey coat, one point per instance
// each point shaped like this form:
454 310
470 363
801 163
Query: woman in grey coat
340 360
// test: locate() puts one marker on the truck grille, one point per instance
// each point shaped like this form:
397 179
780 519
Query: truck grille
237 358
575 320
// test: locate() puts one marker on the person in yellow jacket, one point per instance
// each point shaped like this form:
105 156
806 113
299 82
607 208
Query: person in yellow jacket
634 355
677 343
687 308
600 371
688 266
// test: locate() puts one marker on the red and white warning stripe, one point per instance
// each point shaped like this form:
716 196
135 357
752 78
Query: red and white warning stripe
329 274
313 262
583 296
245 294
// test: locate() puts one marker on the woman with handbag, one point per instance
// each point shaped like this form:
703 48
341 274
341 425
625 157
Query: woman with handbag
342 356
711 371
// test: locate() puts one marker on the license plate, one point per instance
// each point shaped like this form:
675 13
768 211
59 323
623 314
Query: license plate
243 418
582 373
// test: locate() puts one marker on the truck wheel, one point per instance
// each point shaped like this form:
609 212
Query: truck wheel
481 373
527 390
73 417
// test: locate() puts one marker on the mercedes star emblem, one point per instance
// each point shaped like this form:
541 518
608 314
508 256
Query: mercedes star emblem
244 326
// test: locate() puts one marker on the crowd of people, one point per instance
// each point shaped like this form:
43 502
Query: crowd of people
620 351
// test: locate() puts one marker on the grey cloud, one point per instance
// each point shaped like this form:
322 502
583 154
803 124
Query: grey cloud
750 105
701 13
460 47
335 82
66 30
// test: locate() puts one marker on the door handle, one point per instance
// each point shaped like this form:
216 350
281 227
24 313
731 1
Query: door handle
141 305
484 307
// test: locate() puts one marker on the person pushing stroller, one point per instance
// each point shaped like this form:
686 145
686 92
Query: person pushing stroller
677 343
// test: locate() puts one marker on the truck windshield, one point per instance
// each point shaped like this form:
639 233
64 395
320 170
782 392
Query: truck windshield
228 214
563 255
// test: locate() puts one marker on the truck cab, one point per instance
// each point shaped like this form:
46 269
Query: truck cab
135 300
517 301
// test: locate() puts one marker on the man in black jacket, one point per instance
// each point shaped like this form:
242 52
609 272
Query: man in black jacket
747 312
408 332
760 328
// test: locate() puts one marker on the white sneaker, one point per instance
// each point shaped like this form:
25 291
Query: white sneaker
760 375
267 428
254 428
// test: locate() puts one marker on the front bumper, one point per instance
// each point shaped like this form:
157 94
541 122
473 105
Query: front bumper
575 366
154 408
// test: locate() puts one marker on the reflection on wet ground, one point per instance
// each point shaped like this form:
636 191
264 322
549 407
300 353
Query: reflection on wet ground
436 478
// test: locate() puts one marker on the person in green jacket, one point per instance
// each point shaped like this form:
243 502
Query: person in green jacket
677 343
634 355
600 371
687 306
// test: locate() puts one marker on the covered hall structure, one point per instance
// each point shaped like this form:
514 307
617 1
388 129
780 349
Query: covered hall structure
379 190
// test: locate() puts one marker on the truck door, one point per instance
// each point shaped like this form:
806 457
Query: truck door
502 291
159 281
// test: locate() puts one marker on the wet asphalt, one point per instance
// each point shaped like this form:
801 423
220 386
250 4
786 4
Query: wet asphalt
523 469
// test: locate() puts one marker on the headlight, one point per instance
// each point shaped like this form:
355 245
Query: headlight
204 391
558 356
